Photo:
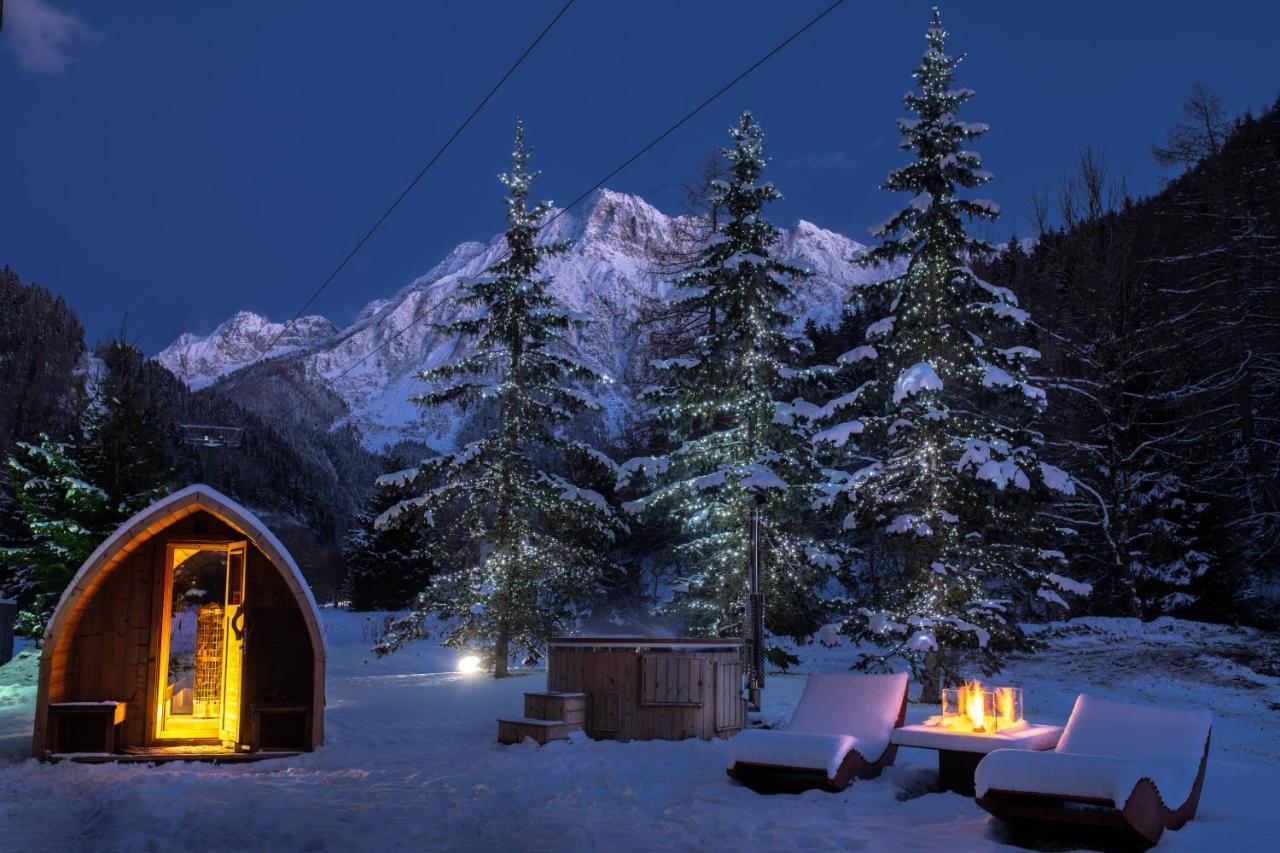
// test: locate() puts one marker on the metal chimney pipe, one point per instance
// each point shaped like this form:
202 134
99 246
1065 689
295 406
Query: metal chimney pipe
755 615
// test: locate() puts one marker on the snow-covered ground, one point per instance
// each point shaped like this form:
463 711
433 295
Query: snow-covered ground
411 764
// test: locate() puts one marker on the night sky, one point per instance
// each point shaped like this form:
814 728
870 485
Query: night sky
180 161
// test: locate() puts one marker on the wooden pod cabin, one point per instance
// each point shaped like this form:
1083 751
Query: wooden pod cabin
189 631
647 689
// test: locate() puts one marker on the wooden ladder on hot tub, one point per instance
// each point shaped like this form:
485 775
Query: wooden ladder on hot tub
548 716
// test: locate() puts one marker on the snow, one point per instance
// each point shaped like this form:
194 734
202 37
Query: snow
1007 311
839 434
1057 479
1106 749
761 477
931 735
785 748
1068 584
922 640
411 762
836 714
919 377
607 273
882 326
650 466
996 377
856 354
908 523
864 706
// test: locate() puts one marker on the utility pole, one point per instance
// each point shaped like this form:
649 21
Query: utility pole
755 613
210 438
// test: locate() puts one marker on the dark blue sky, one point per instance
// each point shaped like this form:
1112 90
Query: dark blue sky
180 161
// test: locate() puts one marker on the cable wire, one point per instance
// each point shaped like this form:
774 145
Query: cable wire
413 183
625 163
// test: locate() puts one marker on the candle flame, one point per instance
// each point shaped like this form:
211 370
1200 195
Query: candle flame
973 699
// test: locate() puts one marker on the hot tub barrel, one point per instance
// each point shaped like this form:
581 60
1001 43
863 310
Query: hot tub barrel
652 689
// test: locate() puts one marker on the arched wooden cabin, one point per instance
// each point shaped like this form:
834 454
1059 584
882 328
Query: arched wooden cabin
189 630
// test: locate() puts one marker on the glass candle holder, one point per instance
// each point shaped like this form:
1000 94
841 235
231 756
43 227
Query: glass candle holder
1008 706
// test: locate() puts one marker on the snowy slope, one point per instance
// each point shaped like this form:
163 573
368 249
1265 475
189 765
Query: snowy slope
607 273
411 763
199 361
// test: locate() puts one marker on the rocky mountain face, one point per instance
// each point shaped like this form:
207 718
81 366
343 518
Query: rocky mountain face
199 361
610 272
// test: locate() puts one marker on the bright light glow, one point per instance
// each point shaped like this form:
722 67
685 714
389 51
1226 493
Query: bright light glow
469 664
975 705
975 709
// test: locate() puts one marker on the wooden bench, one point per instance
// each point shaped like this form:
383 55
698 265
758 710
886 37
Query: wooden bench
85 726
270 720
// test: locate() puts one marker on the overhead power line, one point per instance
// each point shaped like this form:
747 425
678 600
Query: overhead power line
625 163
413 183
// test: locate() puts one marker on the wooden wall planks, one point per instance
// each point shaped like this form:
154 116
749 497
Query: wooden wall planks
652 690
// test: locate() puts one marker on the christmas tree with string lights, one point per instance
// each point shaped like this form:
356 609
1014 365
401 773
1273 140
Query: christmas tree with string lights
728 411
943 481
520 543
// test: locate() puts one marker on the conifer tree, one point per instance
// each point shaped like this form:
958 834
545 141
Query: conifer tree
729 412
385 567
949 481
60 518
128 429
526 540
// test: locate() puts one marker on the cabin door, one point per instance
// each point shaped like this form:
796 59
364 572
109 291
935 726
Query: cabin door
233 645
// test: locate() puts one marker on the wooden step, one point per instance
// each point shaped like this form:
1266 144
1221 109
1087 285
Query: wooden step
550 705
542 731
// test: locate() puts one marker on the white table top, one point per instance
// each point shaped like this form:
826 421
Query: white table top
1036 737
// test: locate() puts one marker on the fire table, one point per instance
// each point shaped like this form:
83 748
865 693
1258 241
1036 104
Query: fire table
975 721
960 752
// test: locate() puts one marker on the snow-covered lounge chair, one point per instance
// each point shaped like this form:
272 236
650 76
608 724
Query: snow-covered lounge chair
839 732
1125 771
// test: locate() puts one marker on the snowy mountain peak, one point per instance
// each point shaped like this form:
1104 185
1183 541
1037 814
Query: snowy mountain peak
608 273
625 222
200 360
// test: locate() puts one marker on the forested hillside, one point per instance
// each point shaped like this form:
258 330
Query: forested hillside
1160 328
114 417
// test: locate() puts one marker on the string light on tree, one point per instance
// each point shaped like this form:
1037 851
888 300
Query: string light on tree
948 481
526 540
728 409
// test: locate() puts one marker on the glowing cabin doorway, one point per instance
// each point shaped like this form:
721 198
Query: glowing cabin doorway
202 643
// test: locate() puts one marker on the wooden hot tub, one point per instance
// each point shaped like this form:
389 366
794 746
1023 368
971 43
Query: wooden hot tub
651 689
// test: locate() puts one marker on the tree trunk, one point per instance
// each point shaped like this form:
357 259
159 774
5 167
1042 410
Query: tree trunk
501 652
931 692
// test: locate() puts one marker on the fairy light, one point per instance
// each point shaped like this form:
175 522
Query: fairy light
717 408
527 542
967 546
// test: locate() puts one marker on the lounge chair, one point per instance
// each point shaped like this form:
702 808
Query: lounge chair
1126 772
839 732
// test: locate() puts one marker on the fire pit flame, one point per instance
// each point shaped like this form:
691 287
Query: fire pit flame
976 709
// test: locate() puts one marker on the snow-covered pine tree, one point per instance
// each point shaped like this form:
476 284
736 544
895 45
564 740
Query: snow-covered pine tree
385 566
61 518
948 424
526 541
728 411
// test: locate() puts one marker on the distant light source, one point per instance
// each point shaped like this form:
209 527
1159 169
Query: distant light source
470 663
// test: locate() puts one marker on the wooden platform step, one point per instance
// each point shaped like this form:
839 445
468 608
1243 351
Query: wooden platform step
164 756
550 705
542 731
